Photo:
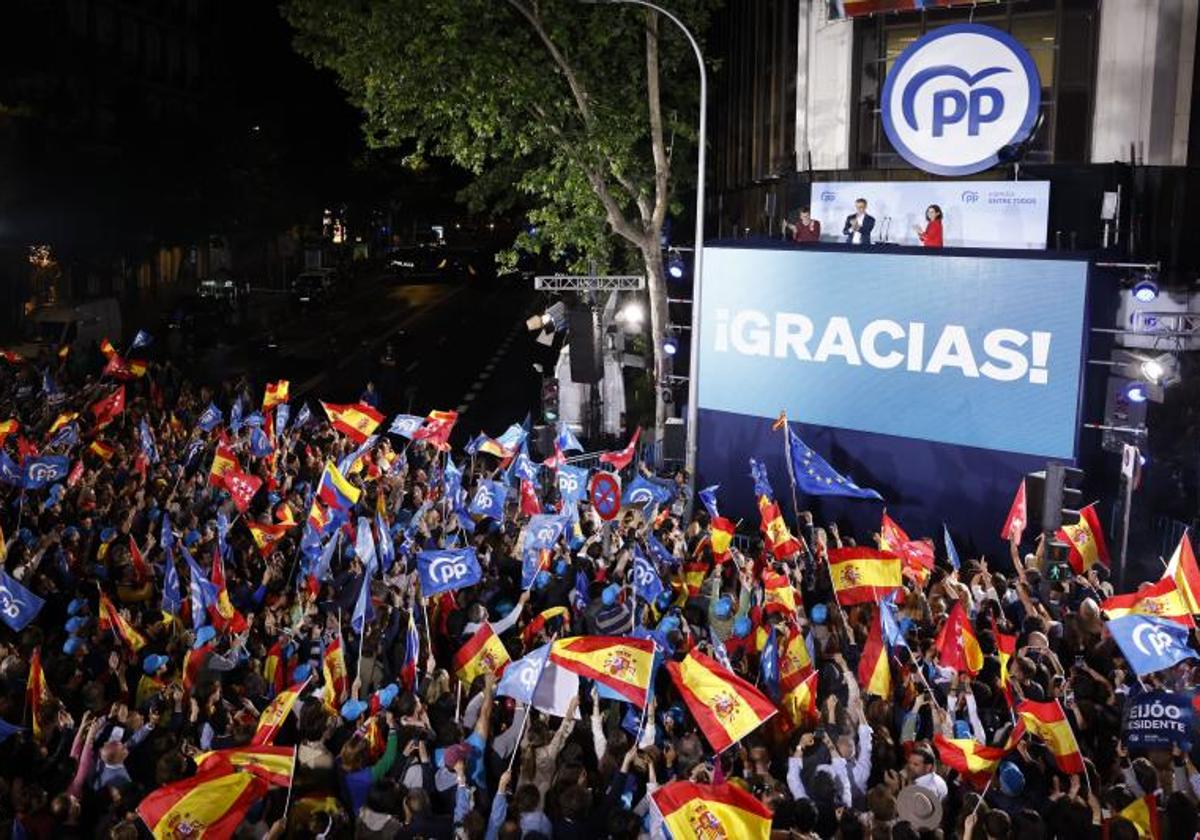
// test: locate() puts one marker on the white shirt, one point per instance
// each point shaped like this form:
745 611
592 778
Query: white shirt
933 783
856 237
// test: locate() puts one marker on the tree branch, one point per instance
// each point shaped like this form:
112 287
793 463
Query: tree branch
662 167
577 91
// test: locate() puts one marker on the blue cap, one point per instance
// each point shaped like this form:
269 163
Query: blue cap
561 567
25 535
74 645
70 531
203 636
724 607
396 528
108 535
663 601
962 729
670 623
819 614
79 622
78 606
741 626
153 662
1012 780
675 713
610 594
301 672
191 538
352 709
387 695
542 580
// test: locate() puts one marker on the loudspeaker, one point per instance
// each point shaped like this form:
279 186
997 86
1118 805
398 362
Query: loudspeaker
583 353
674 441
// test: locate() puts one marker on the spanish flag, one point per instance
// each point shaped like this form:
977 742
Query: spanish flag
863 575
621 663
223 461
106 347
271 764
1006 649
206 806
726 707
1184 570
799 702
539 621
1049 722
916 555
1086 539
9 427
1161 600
267 535
60 421
778 538
779 594
333 665
140 569
318 517
335 490
957 645
1143 813
794 659
693 573
111 619
974 760
276 393
101 449
37 693
694 811
722 531
274 668
874 671
223 613
483 653
356 421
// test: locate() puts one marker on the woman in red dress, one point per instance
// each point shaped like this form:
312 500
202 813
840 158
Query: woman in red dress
931 236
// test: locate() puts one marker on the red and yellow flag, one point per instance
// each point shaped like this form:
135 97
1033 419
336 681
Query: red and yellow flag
111 619
271 764
437 428
874 670
37 693
106 347
1184 570
726 707
722 531
1143 813
140 569
693 573
863 575
957 645
916 556
356 421
974 760
779 594
267 534
223 461
778 538
1161 600
622 663
1006 649
694 811
60 421
483 653
224 615
206 806
1086 538
333 664
799 698
794 659
1049 722
9 427
276 393
101 449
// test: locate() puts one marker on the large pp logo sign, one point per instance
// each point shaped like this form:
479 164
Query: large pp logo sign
448 569
957 96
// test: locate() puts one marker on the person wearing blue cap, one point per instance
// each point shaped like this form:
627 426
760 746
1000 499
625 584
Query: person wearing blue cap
608 616
722 610
356 771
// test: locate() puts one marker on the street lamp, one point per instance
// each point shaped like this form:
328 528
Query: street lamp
698 265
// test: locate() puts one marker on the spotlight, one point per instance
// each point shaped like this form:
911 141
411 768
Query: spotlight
1137 392
675 267
1161 370
670 345
632 314
1146 289
1153 370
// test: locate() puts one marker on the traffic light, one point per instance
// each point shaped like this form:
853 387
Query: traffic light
550 399
1063 496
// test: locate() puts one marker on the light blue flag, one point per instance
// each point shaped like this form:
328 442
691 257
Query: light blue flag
9 472
201 590
489 499
762 484
1150 643
321 570
708 497
572 483
769 666
303 416
513 437
142 339
166 537
7 730
452 479
951 551
890 624
643 493
364 545
544 530
659 551
210 418
18 606
522 468
405 424
346 463
566 440
387 548
172 596
364 610
521 678
446 569
531 564
283 413
647 585
235 416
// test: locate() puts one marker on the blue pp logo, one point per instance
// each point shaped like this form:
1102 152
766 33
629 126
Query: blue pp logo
828 195
957 96
970 197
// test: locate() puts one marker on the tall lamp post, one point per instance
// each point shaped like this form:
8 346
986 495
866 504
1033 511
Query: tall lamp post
698 265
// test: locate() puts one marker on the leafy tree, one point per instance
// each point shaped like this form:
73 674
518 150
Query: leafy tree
580 109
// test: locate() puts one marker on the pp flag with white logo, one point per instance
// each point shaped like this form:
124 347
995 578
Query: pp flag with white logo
405 424
547 687
543 531
521 677
447 569
18 606
572 482
489 500
42 470
644 493
646 583
1150 644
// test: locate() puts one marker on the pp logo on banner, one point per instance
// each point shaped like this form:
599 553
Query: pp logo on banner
957 96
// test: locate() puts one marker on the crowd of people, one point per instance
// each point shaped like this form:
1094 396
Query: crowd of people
178 611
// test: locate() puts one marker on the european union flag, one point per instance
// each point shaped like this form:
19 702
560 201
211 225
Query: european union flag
762 485
41 470
446 569
210 418
489 499
769 666
18 606
951 551
643 493
646 583
1149 643
816 478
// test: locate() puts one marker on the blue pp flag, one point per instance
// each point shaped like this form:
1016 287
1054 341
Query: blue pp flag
659 551
543 531
260 443
149 448
566 440
513 437
523 468
452 479
521 678
405 424
643 493
254 419
9 472
142 339
890 624
816 478
769 666
762 485
951 551
446 569
364 610
18 606
1149 643
235 416
322 568
41 470
572 482
489 499
283 413
172 597
201 590
210 418
68 435
531 564
303 416
7 730
364 545
646 583
53 496
708 497
166 537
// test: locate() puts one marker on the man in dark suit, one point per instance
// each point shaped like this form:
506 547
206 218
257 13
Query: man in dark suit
859 224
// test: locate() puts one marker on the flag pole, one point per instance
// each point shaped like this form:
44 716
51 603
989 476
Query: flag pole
787 457
529 706
287 804
646 707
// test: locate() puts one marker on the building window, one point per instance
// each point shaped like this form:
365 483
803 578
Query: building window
1060 36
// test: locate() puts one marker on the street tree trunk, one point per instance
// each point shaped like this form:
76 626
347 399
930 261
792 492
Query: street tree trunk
656 286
